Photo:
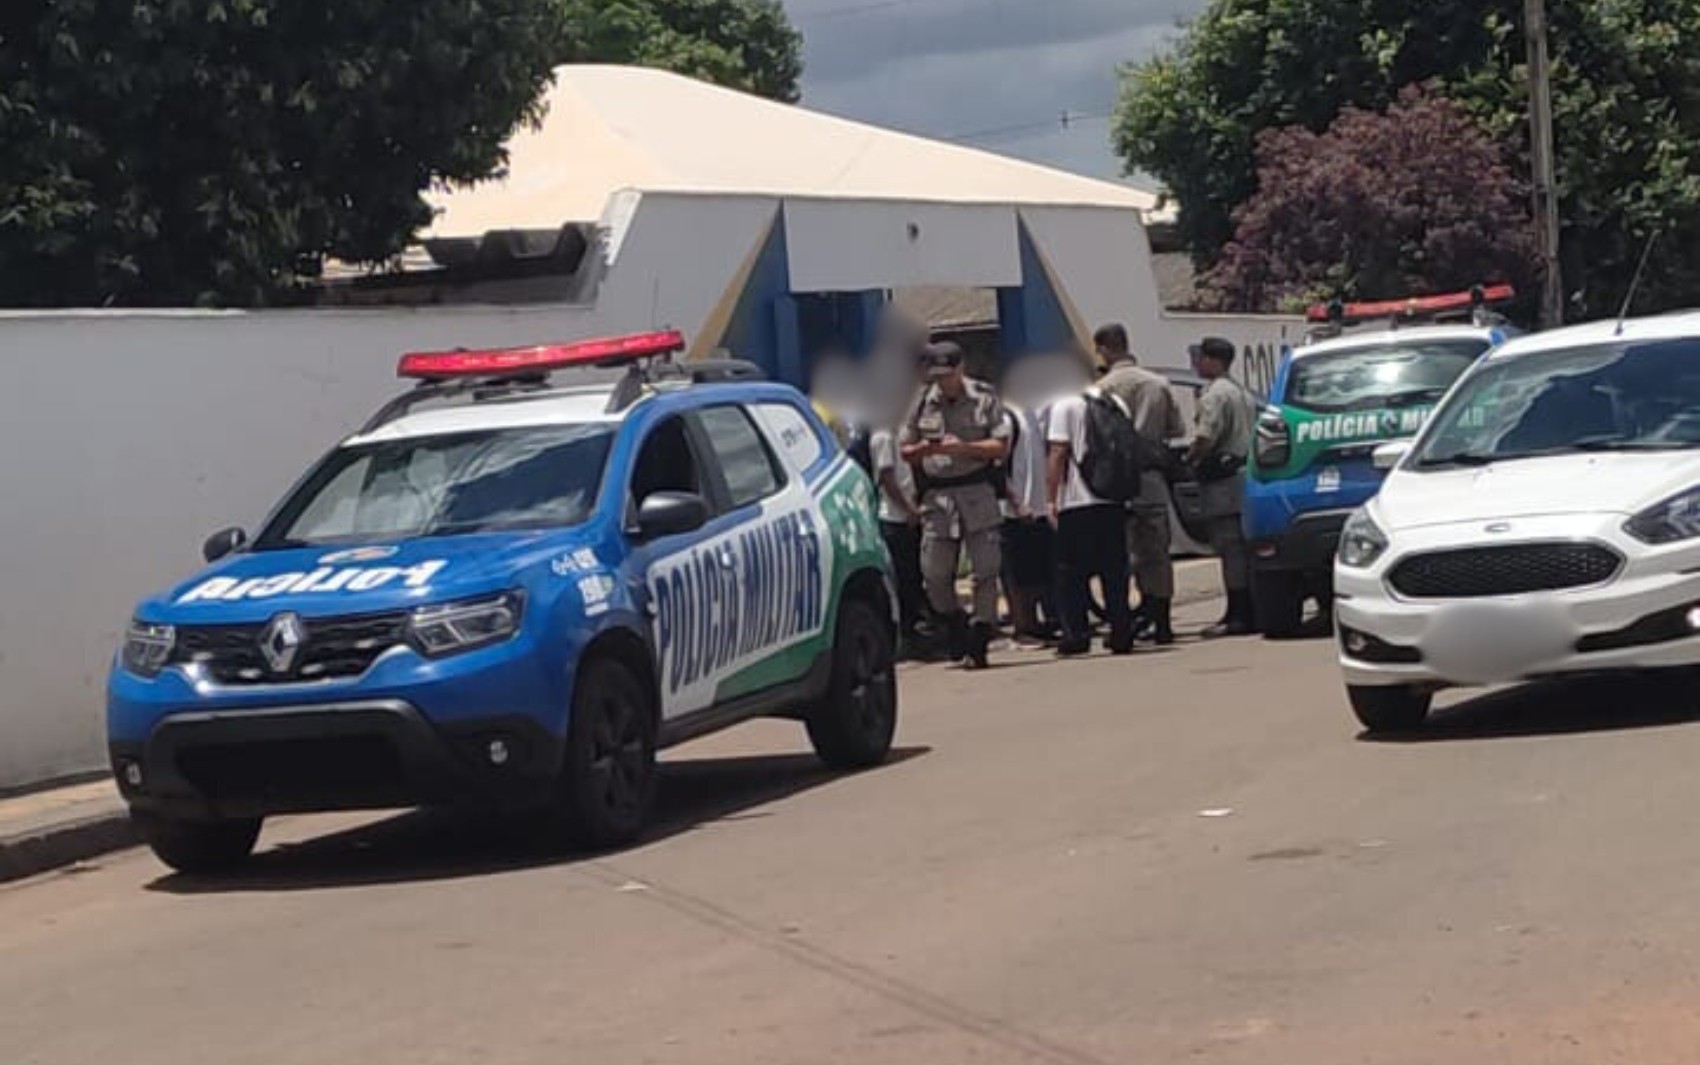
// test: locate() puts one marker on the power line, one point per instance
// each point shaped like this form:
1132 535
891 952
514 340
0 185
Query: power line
1064 122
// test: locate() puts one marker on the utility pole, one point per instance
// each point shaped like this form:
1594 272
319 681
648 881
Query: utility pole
1546 181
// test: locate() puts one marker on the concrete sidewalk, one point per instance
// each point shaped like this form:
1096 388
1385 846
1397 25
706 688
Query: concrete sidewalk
56 827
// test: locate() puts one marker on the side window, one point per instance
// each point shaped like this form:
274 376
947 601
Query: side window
666 463
796 437
742 455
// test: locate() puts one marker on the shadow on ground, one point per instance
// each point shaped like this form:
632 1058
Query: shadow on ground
1558 708
446 845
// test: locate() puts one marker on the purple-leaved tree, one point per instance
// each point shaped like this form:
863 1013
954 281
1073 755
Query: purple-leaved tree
1418 199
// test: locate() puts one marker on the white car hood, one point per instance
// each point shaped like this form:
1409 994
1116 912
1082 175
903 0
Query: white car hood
1525 488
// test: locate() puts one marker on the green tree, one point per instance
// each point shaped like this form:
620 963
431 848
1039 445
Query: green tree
202 151
1626 98
744 44
1369 209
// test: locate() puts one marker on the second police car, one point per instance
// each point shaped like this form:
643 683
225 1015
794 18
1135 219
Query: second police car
509 592
1331 403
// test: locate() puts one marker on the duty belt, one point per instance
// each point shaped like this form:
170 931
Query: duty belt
927 483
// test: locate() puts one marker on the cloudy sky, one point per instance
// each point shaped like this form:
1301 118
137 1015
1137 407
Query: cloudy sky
997 74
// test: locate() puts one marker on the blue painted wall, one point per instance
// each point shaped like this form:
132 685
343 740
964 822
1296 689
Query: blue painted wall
1032 316
755 330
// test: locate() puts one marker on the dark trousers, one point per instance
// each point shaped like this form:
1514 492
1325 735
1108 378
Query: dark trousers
903 543
1092 542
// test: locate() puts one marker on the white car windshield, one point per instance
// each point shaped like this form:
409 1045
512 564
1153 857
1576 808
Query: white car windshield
1402 373
482 481
1610 397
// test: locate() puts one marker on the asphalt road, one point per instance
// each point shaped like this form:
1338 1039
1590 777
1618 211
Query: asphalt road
1033 879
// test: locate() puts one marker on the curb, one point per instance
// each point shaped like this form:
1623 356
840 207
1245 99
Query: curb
56 846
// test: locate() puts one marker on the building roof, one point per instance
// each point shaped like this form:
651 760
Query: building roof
610 128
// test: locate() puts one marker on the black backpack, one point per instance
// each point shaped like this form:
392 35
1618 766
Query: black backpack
1115 452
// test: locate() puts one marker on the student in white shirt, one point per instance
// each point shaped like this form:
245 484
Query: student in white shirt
1091 538
900 527
1029 565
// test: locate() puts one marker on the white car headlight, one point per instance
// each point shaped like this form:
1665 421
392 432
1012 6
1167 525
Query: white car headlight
1361 541
1673 520
455 627
147 648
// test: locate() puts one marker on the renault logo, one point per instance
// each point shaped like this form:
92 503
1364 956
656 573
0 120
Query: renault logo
281 641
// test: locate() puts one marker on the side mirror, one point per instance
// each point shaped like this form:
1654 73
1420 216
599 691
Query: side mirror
222 543
1390 454
670 513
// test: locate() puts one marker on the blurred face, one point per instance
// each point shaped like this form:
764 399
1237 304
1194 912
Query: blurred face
1035 380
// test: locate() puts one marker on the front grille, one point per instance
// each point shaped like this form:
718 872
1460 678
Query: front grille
333 648
1515 569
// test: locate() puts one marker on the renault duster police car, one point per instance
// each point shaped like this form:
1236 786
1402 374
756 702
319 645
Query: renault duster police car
511 592
1333 401
1545 523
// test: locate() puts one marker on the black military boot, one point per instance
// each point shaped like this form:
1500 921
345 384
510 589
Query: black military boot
1161 629
979 646
956 636
1238 620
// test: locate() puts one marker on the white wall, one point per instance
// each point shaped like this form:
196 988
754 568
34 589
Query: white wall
1102 262
851 246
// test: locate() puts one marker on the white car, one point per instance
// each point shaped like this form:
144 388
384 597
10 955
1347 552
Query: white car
1546 522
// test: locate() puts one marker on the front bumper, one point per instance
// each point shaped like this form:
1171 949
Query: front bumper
411 731
336 756
1638 620
1307 546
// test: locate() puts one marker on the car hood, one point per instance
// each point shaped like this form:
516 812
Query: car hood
362 579
1524 488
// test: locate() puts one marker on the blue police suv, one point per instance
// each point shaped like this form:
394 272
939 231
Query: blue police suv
508 592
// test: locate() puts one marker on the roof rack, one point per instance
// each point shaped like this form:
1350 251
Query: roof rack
502 373
639 379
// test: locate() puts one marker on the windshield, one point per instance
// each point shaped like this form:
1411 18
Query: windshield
1613 397
1395 374
490 480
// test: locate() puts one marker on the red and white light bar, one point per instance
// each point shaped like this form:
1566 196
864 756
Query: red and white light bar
1411 308
514 362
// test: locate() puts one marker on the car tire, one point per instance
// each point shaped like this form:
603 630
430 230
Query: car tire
608 775
1278 598
1398 709
853 726
199 847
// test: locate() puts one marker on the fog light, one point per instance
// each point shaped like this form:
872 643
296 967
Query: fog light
132 774
1357 642
498 752
1694 618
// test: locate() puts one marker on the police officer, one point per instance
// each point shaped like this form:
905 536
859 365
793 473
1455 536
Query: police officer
1157 417
955 438
1227 417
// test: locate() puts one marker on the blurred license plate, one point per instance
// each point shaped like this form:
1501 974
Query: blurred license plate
1487 643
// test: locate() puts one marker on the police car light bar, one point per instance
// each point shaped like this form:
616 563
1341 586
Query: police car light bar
520 362
1411 308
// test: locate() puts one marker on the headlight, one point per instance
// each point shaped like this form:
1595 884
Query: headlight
455 627
1272 445
1677 518
1361 541
147 647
